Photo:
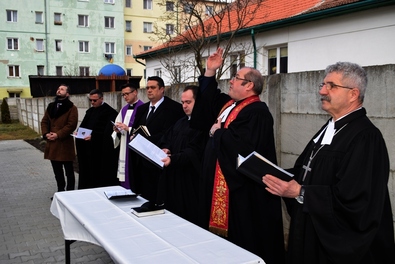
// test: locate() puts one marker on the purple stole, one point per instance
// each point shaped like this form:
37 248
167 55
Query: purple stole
124 109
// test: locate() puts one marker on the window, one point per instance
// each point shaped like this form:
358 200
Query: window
13 71
147 4
83 46
109 47
12 43
147 27
39 17
109 22
169 6
177 74
128 26
109 1
58 45
39 45
84 71
169 29
83 21
40 69
129 72
59 70
147 48
237 61
188 8
158 72
129 50
12 16
278 60
209 10
128 3
58 19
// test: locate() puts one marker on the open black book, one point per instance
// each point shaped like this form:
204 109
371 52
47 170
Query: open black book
255 166
143 130
148 150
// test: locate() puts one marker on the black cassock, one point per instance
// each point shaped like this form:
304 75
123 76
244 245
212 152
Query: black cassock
97 158
182 175
255 217
346 216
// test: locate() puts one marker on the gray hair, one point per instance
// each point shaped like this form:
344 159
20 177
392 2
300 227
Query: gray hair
256 78
353 76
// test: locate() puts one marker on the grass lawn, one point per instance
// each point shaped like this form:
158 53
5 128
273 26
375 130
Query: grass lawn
16 130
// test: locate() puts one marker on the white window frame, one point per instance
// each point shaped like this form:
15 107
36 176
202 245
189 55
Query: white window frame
12 16
40 69
145 48
83 46
58 45
278 51
109 22
109 48
84 71
169 29
39 17
40 45
209 10
14 42
147 27
57 18
169 6
158 72
109 1
59 70
129 50
15 70
128 25
84 19
147 4
177 73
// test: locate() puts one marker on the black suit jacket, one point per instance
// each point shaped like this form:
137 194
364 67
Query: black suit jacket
144 176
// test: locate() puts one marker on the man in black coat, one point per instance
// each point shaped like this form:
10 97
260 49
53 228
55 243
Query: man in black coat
158 115
97 158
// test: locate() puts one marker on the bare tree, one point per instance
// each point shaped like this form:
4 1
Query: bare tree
196 26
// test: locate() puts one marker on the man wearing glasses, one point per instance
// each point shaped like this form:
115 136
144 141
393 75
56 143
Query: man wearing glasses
97 158
339 202
232 205
158 115
123 128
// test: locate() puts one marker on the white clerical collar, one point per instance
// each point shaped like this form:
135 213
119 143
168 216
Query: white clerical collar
226 112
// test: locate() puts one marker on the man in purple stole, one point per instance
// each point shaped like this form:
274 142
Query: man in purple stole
122 131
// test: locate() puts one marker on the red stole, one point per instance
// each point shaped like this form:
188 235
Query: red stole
220 200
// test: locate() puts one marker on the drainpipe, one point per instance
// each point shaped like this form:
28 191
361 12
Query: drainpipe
46 38
138 60
253 42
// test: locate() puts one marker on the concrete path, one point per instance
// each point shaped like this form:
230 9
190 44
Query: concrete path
29 233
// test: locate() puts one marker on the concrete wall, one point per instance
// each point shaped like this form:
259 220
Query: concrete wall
294 102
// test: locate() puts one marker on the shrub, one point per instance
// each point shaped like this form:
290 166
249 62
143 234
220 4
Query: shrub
5 112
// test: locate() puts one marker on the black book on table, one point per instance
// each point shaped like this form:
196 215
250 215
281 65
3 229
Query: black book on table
255 166
142 130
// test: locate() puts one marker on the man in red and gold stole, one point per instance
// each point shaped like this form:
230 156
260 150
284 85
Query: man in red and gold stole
232 205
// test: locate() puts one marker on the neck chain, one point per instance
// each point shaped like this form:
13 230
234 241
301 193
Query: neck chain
313 154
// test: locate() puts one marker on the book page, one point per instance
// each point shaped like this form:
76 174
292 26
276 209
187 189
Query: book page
82 133
148 150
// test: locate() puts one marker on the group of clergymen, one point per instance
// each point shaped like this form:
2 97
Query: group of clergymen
338 200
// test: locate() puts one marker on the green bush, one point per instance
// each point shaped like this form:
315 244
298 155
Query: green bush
5 112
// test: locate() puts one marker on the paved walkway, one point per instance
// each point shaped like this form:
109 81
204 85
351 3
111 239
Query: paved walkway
29 232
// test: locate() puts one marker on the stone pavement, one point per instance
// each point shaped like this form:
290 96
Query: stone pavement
29 232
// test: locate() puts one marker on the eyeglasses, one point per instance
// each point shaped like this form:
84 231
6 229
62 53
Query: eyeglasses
126 93
330 85
239 79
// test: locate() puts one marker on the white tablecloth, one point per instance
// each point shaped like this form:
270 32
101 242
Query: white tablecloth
87 215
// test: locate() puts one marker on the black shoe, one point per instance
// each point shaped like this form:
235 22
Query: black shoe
51 198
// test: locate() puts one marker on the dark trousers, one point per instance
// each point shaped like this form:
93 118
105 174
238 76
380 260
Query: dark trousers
57 167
